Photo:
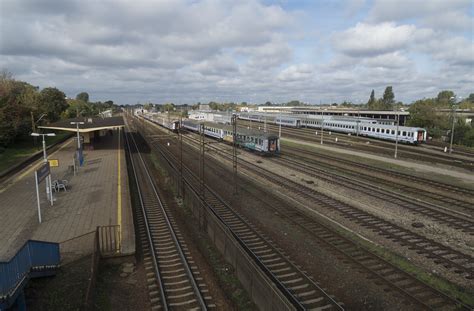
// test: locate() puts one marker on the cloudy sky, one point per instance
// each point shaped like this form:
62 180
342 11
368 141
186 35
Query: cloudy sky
185 51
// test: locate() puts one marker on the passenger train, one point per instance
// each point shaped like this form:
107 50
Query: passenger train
350 125
263 143
163 120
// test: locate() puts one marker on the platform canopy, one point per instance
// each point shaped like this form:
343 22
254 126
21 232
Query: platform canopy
90 124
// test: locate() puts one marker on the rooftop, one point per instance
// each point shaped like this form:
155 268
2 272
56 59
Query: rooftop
90 124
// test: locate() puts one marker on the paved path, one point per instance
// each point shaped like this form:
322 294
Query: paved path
417 166
98 195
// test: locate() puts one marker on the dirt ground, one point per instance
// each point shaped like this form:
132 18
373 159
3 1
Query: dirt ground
64 291
119 290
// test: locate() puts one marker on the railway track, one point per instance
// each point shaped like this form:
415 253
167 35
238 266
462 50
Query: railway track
299 288
455 221
459 197
384 273
376 146
173 279
458 262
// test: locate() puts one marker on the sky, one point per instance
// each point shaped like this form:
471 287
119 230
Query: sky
188 51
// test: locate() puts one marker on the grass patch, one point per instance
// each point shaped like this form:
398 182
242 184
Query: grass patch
65 291
22 149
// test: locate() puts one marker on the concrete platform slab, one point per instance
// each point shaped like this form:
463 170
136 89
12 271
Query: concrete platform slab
98 195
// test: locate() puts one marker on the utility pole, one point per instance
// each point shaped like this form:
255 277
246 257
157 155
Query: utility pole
322 128
181 155
279 129
454 120
201 162
396 134
33 128
234 152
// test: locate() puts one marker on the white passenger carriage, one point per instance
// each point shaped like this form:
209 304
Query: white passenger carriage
163 120
367 127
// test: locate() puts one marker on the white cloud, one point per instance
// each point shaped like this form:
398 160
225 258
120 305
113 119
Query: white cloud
200 50
369 39
296 73
438 14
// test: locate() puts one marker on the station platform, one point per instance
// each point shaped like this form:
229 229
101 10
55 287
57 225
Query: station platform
97 196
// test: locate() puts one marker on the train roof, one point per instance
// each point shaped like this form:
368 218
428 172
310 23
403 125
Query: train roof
241 131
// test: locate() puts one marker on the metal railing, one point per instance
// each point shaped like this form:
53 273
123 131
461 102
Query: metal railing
35 258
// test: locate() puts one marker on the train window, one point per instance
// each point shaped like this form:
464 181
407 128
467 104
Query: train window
393 132
378 130
404 133
383 131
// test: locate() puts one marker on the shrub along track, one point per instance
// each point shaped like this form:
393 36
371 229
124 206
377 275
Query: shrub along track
376 267
173 280
295 284
442 193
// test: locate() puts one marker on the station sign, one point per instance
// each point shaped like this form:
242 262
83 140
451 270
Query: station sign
42 172
53 162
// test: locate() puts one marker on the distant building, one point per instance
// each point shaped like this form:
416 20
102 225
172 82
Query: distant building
106 113
139 111
204 107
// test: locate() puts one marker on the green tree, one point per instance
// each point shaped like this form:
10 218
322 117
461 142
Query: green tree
17 100
83 96
372 102
388 99
53 102
470 98
423 114
444 99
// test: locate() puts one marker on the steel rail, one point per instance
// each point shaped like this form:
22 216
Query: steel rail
284 289
175 239
148 231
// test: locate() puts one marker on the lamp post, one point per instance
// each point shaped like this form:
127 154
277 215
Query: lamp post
78 138
49 194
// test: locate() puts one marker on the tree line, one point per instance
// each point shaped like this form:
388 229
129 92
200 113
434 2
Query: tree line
22 105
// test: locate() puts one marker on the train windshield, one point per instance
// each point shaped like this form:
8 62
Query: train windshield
272 144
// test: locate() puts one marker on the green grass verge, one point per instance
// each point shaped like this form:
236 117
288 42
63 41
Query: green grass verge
23 149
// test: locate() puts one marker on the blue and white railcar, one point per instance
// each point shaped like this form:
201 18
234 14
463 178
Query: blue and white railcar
368 127
286 121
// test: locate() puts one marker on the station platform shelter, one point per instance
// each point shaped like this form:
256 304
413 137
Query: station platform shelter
96 195
90 130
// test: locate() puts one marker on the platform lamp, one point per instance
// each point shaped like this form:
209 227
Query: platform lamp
45 158
78 138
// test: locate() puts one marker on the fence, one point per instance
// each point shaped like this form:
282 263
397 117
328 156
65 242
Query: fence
106 243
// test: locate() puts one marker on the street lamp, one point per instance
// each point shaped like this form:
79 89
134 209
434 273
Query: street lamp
45 160
78 138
